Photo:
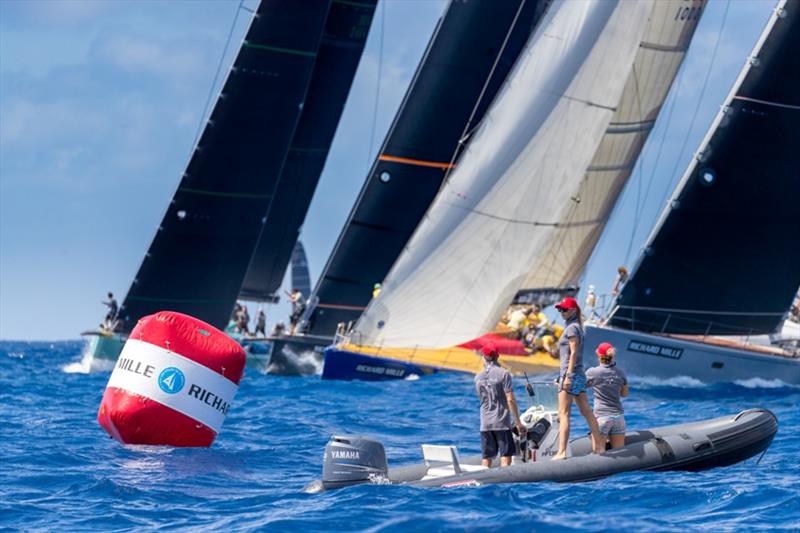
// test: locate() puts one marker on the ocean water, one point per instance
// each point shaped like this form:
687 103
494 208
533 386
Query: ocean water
59 471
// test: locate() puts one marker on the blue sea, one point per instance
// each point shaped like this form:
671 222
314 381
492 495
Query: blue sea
60 471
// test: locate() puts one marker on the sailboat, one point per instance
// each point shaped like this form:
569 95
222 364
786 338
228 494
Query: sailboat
274 120
721 268
510 205
468 57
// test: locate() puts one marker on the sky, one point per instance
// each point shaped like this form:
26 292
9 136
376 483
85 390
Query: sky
100 105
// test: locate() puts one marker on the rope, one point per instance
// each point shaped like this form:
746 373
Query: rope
377 90
203 119
697 105
640 164
467 132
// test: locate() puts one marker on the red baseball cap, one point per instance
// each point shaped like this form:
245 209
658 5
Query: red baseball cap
489 350
567 303
605 349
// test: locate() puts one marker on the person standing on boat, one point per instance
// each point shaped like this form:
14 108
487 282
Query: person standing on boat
298 308
498 409
622 277
113 309
610 384
573 378
261 323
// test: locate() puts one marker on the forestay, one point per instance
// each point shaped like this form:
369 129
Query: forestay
501 205
666 39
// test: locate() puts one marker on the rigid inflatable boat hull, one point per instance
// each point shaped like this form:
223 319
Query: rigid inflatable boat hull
694 446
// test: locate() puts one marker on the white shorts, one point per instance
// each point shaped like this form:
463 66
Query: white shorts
611 425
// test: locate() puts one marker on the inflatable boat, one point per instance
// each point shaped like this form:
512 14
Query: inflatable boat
693 446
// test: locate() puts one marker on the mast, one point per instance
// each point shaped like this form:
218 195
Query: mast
723 258
203 246
501 205
469 56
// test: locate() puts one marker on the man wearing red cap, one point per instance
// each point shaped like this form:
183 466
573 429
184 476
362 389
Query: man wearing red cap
498 406
610 384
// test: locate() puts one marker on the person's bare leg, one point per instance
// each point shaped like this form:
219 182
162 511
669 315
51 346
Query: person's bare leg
617 441
564 404
505 461
598 442
487 463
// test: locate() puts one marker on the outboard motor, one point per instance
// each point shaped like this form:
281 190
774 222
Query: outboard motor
537 432
352 460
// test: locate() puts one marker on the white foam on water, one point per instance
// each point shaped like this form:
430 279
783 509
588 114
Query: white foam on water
412 377
682 382
307 362
761 383
88 364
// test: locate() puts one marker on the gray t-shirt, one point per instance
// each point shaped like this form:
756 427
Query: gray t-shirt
607 381
492 383
573 329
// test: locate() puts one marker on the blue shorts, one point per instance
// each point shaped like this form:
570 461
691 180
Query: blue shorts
577 384
501 441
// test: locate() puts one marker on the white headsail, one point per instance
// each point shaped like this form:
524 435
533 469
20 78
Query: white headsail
513 185
664 44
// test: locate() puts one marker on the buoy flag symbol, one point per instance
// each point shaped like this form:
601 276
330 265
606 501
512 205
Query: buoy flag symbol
171 380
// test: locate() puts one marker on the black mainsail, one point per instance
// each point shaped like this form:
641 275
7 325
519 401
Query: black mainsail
203 246
343 40
449 93
725 256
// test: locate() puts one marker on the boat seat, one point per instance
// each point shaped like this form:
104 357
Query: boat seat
443 461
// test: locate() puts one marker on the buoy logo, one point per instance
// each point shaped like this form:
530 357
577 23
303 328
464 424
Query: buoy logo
171 380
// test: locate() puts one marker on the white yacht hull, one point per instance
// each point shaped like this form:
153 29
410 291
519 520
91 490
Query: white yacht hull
664 357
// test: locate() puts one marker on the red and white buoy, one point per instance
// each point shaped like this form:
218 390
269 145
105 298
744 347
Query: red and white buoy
173 383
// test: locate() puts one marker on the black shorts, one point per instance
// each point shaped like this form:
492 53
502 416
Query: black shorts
493 442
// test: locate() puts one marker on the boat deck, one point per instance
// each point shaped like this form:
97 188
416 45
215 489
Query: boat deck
459 359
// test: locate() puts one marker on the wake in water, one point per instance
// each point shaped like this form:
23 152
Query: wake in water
687 382
289 363
88 364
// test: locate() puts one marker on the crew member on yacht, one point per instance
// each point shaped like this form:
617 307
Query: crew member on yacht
610 384
499 411
298 308
573 378
261 323
113 309
376 290
622 277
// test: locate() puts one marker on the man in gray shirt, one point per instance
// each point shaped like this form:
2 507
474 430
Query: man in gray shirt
498 409
610 384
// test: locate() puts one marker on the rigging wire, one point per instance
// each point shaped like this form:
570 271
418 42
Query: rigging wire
203 118
640 164
699 101
467 132
377 91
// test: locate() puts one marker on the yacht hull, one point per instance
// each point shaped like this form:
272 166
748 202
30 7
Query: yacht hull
665 357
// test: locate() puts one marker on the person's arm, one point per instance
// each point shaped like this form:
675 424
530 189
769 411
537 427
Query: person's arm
624 390
512 406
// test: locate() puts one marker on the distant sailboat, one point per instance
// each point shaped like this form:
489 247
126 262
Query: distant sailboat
722 265
506 203
294 68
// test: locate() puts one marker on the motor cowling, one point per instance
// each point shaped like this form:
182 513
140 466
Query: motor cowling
351 460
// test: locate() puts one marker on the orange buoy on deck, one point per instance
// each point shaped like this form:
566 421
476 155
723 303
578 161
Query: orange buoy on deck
173 383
